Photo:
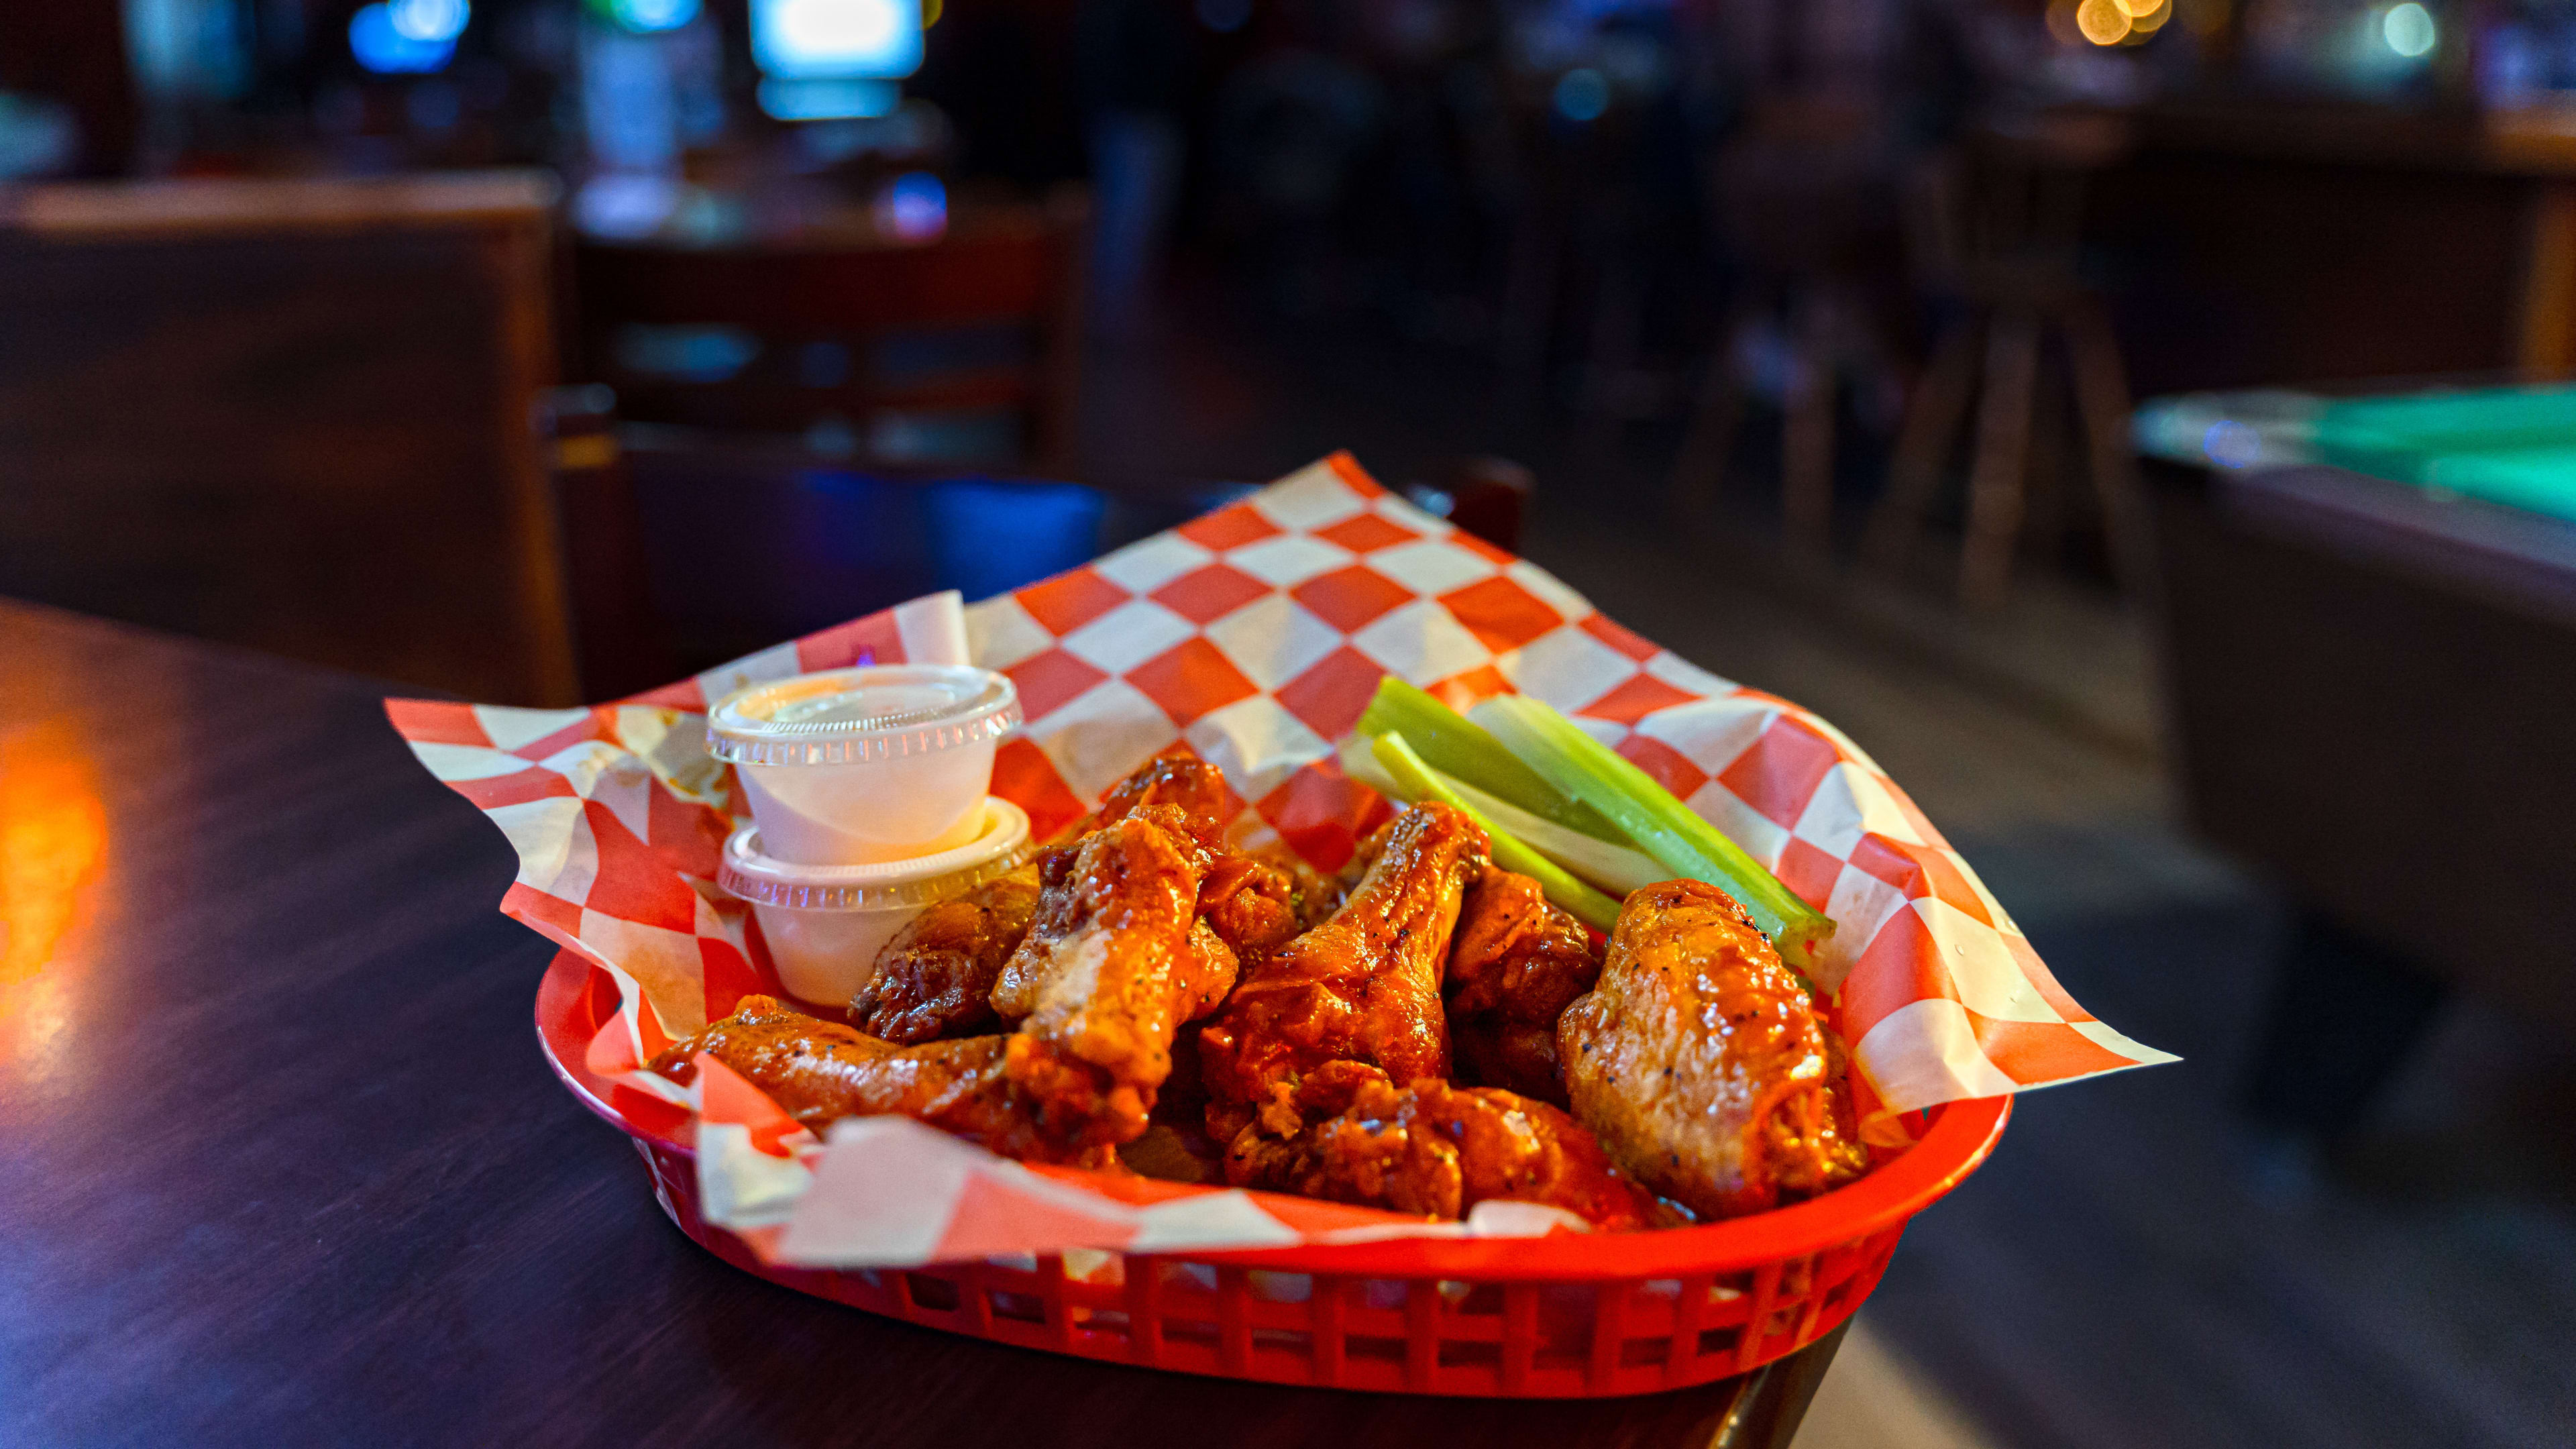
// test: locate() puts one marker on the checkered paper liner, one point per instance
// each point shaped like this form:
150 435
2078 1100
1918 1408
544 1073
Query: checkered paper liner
1252 637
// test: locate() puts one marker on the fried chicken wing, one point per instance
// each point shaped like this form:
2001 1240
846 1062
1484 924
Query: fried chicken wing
1317 895
1701 1062
1189 785
1253 901
1364 854
1253 906
1364 986
819 1071
935 978
1117 958
1433 1149
1517 962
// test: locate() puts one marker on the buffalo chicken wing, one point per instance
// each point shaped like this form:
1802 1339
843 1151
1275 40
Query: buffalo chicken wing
1192 786
1701 1062
1116 960
1517 962
935 978
818 1071
1364 986
1433 1149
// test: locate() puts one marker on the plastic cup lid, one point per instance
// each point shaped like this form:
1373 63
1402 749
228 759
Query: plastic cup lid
851 716
1000 847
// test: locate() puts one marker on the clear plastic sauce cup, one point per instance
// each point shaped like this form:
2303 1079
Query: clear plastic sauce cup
861 766
826 923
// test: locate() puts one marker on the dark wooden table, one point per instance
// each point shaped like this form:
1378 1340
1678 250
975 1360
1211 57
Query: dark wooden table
280 1164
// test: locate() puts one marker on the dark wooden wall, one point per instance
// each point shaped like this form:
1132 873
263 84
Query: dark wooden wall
2248 271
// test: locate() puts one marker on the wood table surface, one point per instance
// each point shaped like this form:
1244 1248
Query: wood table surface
280 1163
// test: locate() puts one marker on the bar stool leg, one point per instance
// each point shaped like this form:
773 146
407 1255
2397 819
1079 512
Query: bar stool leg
1931 420
1807 442
2102 396
1996 480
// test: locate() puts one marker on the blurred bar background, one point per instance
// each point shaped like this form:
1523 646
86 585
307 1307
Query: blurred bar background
540 351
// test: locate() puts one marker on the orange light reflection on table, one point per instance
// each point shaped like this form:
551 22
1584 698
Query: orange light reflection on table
53 842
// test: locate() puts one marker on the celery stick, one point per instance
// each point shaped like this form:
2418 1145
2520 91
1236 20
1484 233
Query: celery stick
1455 746
1416 780
1661 825
1614 868
1359 761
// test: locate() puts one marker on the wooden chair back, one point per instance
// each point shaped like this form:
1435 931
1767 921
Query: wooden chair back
293 415
887 339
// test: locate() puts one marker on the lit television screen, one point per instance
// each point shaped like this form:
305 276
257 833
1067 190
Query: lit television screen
836 39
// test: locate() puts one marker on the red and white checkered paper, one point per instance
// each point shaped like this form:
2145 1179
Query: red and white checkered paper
1253 637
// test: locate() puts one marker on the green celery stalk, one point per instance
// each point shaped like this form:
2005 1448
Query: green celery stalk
1460 749
1616 869
1416 780
1661 825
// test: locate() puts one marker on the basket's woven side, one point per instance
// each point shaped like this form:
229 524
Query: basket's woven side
1413 1335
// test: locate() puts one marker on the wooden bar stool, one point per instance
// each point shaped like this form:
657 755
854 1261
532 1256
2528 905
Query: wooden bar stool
1996 232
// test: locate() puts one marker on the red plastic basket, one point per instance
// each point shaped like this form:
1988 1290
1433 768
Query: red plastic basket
1569 1315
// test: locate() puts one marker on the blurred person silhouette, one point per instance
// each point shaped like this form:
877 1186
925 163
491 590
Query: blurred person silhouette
1445 187
1132 63
1826 111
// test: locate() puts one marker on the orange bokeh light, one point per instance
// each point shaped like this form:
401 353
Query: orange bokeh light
53 841
2103 22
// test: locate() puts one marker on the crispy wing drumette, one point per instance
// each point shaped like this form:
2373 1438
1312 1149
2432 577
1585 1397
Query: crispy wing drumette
1364 986
821 1070
1116 960
1253 903
1701 1062
1190 785
935 978
1364 854
1517 962
1433 1149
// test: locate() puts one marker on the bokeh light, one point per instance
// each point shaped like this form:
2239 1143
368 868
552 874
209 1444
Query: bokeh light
1582 94
382 47
847 39
626 205
2061 23
435 21
2103 22
53 845
826 99
2410 31
53 836
914 208
652 17
2232 444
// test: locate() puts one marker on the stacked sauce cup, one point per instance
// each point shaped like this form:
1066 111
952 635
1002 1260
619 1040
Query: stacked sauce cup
870 799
